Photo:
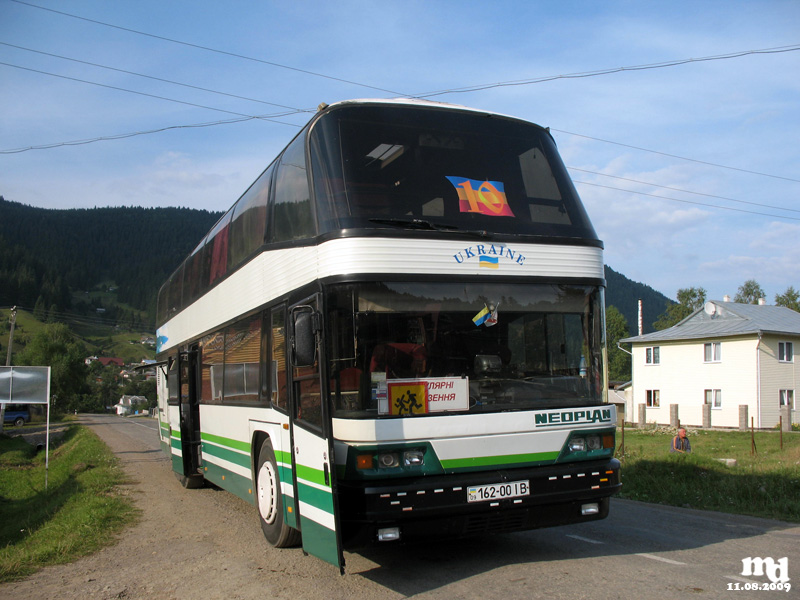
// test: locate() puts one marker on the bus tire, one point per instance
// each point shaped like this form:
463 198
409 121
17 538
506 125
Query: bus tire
269 501
193 482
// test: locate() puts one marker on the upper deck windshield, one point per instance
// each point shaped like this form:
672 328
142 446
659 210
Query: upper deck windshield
394 166
399 349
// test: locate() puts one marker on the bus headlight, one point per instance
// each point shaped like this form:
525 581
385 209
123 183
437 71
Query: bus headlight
388 460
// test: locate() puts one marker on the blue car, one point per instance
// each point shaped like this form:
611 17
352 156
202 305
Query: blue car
17 414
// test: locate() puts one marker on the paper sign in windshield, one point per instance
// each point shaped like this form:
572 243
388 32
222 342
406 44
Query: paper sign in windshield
422 396
483 197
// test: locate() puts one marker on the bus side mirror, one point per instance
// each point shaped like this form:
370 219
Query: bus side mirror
306 325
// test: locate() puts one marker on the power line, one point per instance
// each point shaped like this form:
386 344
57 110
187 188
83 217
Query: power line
121 136
112 87
702 162
195 87
674 189
661 65
208 49
741 210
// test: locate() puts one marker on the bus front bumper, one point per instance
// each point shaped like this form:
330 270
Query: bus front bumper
440 506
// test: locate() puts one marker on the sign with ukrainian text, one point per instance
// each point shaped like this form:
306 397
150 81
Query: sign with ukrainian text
448 393
482 197
422 396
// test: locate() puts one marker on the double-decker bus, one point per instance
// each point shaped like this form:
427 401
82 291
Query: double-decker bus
397 332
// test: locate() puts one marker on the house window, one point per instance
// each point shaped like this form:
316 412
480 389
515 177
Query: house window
712 352
714 398
652 355
787 398
653 398
786 351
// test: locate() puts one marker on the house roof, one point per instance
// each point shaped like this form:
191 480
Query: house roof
105 361
726 319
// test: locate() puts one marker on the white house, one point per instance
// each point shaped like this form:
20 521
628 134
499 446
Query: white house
725 355
127 404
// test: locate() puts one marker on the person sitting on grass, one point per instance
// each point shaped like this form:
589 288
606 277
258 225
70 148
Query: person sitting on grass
680 443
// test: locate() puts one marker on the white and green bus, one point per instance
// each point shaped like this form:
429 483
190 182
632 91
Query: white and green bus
396 333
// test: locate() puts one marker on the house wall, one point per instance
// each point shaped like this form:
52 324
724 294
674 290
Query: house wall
776 376
682 376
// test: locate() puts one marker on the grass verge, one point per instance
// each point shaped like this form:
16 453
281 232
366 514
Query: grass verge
79 512
765 484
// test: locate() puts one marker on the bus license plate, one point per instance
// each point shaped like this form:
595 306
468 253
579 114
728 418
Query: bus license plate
498 491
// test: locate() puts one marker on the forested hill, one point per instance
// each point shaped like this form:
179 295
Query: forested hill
46 255
625 294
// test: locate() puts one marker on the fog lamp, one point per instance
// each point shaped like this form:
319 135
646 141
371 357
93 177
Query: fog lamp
590 509
390 534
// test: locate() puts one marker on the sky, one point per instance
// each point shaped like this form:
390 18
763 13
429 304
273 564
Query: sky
679 121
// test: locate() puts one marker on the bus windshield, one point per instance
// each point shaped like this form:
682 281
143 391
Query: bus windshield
409 348
392 166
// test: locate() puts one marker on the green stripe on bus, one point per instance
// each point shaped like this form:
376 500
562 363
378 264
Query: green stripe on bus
321 499
311 474
243 460
481 462
286 474
228 480
223 441
283 457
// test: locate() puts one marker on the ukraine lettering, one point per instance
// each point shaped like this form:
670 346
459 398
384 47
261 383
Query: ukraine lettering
489 251
573 417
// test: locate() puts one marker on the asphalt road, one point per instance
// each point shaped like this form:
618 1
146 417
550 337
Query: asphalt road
641 551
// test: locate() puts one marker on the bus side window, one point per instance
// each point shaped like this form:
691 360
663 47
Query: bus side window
292 217
172 380
277 344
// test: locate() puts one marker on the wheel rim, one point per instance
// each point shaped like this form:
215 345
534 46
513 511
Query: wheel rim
267 493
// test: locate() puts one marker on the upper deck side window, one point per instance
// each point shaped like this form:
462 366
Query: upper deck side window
292 216
249 222
456 169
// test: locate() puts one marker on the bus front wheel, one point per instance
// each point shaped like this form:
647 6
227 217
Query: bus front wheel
269 501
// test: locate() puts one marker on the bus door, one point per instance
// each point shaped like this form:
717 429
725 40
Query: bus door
189 409
312 446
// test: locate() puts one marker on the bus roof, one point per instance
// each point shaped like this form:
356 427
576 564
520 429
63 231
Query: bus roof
419 102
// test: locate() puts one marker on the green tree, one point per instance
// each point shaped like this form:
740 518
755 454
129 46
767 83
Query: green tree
54 346
750 292
689 300
790 299
619 361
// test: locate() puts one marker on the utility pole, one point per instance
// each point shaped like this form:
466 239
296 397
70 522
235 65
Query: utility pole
8 362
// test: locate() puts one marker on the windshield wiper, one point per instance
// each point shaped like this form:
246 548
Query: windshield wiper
425 225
